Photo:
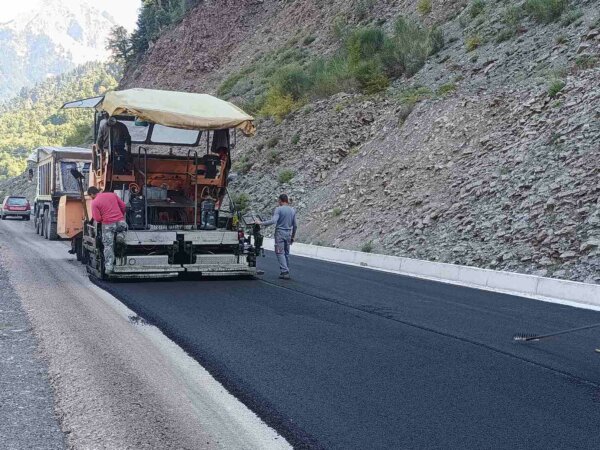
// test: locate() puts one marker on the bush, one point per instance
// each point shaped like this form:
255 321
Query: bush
409 48
367 247
545 11
571 17
229 83
371 76
295 139
292 80
555 87
278 105
274 157
285 176
586 62
242 166
241 202
477 8
272 142
424 7
309 40
505 35
472 42
335 212
446 88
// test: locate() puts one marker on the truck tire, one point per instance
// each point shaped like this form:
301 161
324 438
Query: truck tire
50 227
39 229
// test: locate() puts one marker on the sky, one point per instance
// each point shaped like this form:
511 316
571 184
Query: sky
124 11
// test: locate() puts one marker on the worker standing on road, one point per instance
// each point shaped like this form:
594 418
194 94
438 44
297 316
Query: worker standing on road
284 219
109 210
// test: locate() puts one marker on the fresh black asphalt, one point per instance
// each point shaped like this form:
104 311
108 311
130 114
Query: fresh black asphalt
349 358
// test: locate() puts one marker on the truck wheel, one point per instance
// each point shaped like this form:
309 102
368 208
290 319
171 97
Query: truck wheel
50 227
45 225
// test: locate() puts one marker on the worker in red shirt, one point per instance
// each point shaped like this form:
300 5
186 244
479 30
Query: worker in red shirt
109 210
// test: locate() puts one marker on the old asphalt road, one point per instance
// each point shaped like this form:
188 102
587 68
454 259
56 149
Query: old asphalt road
344 357
117 383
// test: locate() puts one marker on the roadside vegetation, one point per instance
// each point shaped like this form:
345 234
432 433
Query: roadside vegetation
367 61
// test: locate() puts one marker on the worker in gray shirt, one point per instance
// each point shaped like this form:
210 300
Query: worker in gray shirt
284 219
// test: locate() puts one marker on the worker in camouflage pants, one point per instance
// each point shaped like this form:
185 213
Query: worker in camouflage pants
108 241
109 210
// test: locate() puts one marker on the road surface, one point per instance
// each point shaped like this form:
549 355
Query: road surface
345 357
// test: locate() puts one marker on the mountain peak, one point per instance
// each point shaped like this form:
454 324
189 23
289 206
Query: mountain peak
49 39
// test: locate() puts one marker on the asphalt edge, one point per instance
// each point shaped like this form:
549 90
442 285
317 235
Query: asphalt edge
571 293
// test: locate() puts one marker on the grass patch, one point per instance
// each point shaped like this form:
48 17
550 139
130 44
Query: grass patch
505 35
309 40
584 62
445 89
472 42
555 87
571 17
561 39
242 166
336 212
424 7
545 11
272 142
229 83
285 176
295 139
367 247
274 157
477 7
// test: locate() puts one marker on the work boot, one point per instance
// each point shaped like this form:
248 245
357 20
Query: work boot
284 276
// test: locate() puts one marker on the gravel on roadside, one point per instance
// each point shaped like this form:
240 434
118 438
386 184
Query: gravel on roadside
26 399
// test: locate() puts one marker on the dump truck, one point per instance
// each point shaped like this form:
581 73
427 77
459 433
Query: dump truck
57 189
180 216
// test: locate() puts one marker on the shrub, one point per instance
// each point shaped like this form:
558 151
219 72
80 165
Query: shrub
571 17
371 77
586 62
278 105
424 7
242 166
362 8
477 8
409 48
505 35
295 139
545 11
274 157
292 80
309 40
241 202
285 176
472 42
446 88
561 39
367 247
336 212
555 87
272 142
228 84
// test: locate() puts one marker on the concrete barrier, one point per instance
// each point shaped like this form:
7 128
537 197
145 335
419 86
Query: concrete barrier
530 286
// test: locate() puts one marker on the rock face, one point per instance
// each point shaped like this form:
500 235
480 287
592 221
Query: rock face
495 166
55 37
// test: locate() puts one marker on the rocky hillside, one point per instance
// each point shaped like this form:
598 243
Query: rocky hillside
51 39
487 156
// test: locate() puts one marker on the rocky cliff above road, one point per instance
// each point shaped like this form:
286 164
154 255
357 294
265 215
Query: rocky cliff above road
488 156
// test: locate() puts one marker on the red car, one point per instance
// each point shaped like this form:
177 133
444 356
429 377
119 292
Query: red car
16 207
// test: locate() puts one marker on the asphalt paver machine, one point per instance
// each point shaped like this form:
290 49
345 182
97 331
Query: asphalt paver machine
180 216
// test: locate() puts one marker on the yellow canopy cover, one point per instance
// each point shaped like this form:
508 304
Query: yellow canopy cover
178 109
